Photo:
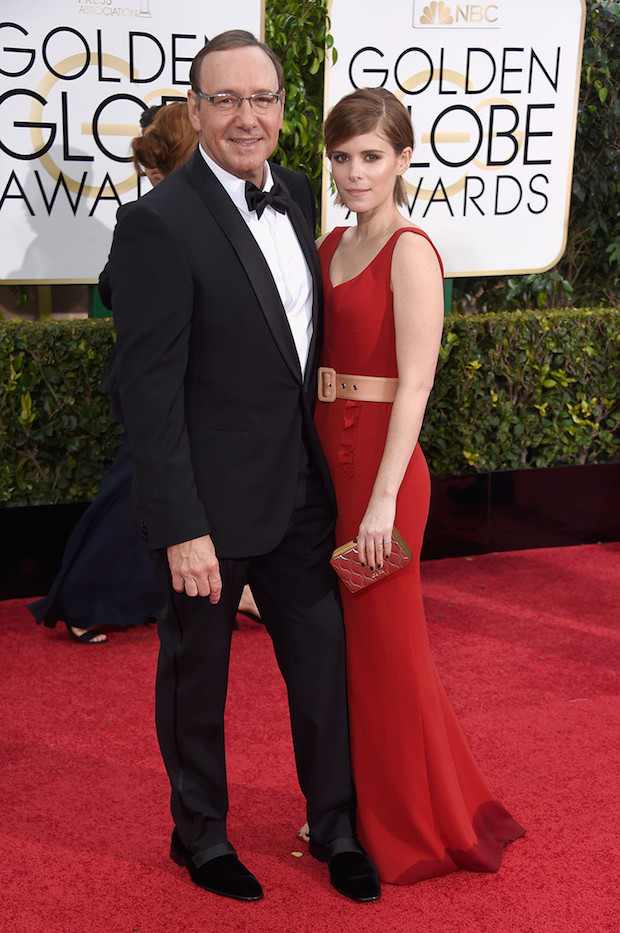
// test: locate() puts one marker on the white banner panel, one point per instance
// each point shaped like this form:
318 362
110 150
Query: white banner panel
493 91
74 78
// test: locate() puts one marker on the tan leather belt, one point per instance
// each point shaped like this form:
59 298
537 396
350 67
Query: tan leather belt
333 385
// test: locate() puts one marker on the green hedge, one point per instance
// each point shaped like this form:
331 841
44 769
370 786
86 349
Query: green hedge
56 434
513 390
525 389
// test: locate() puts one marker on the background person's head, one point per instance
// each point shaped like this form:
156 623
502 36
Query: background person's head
370 110
239 135
167 143
148 115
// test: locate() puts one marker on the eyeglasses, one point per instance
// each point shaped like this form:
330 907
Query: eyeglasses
227 103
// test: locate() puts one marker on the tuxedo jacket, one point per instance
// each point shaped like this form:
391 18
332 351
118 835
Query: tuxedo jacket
209 381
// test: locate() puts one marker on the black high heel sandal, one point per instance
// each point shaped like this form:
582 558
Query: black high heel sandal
88 637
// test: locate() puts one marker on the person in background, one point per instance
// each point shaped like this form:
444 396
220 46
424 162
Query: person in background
146 120
423 807
148 115
107 577
167 142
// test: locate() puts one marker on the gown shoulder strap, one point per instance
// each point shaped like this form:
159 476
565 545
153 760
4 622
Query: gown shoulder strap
330 243
417 230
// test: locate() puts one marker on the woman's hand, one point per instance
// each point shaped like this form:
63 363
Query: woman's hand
374 538
418 323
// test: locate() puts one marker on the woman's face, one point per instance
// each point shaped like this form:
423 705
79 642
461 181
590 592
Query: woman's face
153 175
365 168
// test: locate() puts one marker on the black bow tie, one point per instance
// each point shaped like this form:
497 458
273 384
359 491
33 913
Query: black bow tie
258 199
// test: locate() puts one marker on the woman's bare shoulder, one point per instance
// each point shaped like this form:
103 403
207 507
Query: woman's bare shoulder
416 248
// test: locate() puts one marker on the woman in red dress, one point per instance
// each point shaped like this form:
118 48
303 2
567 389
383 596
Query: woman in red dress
423 807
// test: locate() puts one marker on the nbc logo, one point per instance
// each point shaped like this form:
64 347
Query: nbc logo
438 14
457 15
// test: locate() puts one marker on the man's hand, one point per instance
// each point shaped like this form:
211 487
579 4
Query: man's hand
195 568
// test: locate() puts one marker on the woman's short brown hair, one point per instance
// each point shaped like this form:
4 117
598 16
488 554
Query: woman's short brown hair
367 110
168 142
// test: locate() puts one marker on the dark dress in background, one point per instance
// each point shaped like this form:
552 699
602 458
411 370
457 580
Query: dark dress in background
107 576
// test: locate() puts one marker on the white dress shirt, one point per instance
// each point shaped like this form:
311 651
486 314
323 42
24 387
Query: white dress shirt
279 245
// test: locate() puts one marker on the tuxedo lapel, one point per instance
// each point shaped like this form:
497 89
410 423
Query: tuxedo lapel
218 203
306 241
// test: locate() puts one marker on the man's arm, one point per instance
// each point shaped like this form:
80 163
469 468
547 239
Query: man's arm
152 299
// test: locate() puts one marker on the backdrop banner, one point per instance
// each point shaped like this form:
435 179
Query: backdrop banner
492 89
75 76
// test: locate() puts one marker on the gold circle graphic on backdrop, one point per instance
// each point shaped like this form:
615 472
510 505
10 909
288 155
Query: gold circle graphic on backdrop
36 114
458 79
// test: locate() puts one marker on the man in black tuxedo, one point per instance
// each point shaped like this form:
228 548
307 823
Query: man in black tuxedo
217 308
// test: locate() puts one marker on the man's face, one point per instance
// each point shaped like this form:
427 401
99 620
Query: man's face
241 141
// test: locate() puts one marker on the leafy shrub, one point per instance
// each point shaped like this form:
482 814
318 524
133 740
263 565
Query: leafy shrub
56 434
525 389
513 390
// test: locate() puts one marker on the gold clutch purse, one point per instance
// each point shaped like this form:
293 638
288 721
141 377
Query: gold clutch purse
356 577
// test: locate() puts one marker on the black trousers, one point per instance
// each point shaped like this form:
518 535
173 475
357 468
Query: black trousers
295 591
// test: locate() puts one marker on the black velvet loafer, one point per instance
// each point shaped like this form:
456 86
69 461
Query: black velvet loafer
225 875
351 873
354 875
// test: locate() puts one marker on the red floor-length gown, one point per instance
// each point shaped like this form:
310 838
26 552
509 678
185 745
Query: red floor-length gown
424 808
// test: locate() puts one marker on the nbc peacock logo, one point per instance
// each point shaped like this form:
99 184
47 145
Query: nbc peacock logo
440 15
437 14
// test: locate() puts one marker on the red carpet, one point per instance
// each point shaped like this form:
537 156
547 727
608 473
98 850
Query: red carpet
527 645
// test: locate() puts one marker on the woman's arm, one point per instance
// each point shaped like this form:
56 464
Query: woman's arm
418 319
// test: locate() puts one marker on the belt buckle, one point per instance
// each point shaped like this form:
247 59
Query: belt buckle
327 384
